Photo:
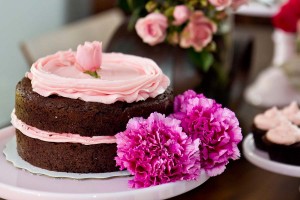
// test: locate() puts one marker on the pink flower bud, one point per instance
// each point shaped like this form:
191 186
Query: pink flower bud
89 56
181 14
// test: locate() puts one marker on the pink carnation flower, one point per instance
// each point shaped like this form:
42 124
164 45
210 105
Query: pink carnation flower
181 101
216 127
156 151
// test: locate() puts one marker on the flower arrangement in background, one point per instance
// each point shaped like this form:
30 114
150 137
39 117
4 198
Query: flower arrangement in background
190 24
199 136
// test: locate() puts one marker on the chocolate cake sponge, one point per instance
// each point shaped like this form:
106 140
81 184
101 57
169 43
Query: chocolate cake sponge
67 157
64 115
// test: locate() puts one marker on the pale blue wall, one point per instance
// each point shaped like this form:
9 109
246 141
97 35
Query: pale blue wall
21 20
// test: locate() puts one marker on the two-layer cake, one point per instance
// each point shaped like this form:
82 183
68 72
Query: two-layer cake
66 119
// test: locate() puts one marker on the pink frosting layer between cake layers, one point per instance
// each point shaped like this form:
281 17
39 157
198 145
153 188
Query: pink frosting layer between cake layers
123 78
36 133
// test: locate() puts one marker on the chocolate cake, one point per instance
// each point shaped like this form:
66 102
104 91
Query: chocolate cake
60 114
66 115
67 157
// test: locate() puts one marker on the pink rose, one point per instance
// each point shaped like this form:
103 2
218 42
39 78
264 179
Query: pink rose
152 28
237 3
181 14
89 56
221 4
298 27
198 32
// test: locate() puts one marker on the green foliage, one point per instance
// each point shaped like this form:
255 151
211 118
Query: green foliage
202 60
132 4
134 17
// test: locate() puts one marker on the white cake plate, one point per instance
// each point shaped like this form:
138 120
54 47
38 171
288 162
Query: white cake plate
262 160
19 184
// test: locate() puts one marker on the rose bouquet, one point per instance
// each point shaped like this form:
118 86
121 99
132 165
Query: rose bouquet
189 24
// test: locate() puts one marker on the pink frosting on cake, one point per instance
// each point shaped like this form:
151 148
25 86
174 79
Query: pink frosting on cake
47 136
123 78
286 133
292 112
269 119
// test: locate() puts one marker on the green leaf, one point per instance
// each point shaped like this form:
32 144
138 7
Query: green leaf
133 4
151 6
169 12
134 17
93 74
124 6
207 60
203 60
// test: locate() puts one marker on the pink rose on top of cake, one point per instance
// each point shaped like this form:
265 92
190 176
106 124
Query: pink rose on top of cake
152 28
181 14
89 57
198 33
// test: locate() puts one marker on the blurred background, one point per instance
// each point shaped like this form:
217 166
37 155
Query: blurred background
35 22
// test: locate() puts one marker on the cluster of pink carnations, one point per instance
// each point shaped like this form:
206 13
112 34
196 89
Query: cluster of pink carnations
198 136
186 23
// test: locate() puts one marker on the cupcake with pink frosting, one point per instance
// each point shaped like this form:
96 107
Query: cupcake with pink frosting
264 122
283 143
272 118
292 113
